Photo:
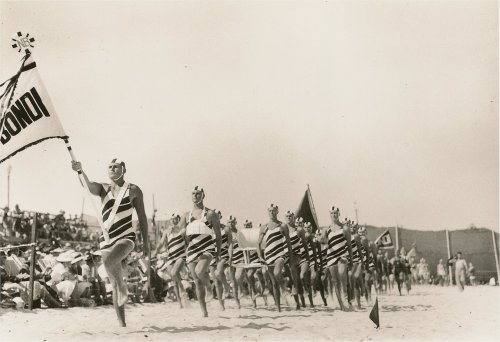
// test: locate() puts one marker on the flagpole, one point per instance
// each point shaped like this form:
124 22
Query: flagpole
397 240
496 253
32 261
154 222
356 212
450 270
83 205
9 169
86 186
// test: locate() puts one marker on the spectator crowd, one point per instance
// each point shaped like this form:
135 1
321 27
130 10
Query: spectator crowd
68 266
17 224
74 275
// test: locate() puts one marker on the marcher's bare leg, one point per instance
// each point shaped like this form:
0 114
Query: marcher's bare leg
174 271
199 272
276 287
112 260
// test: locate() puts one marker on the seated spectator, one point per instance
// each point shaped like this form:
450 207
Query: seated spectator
62 280
84 273
133 276
18 287
98 288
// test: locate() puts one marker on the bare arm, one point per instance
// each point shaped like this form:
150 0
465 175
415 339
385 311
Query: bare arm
374 252
347 234
163 240
229 243
313 248
303 239
183 225
284 231
95 188
138 204
214 219
259 243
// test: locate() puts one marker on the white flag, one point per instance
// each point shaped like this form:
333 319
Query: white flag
384 241
27 114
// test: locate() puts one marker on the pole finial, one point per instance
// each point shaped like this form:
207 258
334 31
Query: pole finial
23 42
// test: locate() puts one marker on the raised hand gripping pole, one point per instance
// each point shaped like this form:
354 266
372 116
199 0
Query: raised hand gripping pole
85 185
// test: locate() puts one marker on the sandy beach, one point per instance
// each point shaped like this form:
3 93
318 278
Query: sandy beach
428 313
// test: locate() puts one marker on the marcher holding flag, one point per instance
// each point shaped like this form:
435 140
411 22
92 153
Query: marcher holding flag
119 199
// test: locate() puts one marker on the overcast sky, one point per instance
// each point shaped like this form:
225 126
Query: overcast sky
390 105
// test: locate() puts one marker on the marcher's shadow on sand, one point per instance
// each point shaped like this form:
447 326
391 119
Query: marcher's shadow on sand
323 309
256 317
393 308
422 294
284 309
253 325
176 330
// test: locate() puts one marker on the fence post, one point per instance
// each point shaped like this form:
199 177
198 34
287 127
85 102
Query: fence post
495 252
397 241
32 263
450 270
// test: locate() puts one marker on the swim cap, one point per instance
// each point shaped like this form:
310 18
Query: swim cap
199 189
273 207
119 162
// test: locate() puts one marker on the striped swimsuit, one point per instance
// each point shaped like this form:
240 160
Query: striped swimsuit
297 247
322 256
367 258
237 255
200 237
224 244
253 257
372 257
176 247
337 246
275 245
312 244
121 227
224 247
355 251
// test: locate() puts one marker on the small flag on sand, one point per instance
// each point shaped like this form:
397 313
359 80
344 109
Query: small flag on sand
374 314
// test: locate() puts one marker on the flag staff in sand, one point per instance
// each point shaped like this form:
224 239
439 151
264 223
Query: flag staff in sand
119 199
201 224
